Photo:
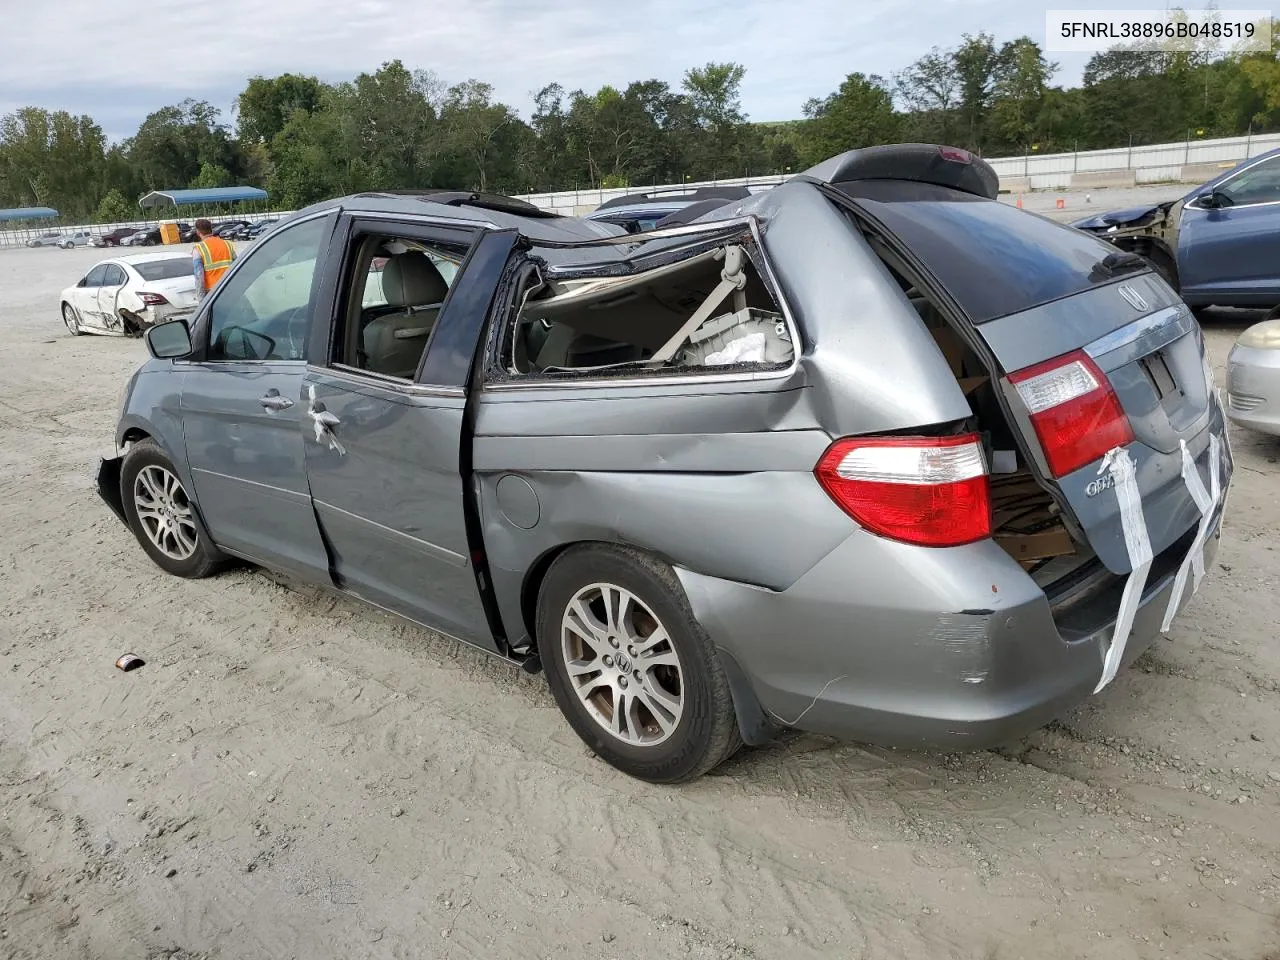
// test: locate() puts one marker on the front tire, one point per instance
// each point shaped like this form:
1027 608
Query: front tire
161 515
71 319
631 668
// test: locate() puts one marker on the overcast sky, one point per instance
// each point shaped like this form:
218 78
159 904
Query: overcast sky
122 59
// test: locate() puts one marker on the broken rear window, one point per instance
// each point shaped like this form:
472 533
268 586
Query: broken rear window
703 310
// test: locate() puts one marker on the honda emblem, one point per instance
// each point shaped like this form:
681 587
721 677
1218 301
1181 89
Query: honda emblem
1133 297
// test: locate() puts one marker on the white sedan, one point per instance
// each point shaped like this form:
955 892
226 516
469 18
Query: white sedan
125 295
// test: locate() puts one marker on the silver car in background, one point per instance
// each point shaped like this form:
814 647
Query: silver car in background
1253 378
871 454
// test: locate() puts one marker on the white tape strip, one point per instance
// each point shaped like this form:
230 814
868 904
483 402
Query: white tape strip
1123 471
1205 500
323 420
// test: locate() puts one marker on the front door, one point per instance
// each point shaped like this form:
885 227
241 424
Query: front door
85 298
112 284
1231 254
383 446
242 404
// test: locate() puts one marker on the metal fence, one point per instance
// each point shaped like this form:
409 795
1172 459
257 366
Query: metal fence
20 237
1154 163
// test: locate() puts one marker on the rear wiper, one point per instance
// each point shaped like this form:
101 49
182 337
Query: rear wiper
1114 264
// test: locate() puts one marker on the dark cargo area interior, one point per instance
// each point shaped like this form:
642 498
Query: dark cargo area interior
1027 521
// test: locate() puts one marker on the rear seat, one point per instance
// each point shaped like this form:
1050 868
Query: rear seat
394 342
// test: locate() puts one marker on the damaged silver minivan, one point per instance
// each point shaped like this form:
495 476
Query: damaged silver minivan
870 454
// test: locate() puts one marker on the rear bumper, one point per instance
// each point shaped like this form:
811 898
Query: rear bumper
1253 389
967 656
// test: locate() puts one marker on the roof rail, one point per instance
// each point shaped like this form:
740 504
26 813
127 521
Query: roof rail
692 212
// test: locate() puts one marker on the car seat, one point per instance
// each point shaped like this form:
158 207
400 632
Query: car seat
393 343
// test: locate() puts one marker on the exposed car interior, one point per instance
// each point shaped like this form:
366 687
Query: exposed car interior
1027 522
399 287
708 310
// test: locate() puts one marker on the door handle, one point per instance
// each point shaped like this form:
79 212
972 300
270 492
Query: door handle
273 401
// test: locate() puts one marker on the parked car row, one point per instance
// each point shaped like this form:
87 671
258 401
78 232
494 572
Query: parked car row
149 236
570 448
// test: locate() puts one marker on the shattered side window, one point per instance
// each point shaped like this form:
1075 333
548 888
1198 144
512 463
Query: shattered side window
705 309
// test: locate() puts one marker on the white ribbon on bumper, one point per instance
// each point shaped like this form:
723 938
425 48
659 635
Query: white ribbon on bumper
1123 471
1205 500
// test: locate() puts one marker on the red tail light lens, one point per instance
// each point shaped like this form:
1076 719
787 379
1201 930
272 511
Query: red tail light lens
1076 414
930 491
955 154
152 299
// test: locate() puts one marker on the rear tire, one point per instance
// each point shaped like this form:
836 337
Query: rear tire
161 515
631 668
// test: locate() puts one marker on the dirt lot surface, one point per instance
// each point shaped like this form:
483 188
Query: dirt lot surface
1089 203
294 775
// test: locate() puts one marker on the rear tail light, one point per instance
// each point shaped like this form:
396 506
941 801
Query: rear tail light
152 299
955 154
930 491
1076 414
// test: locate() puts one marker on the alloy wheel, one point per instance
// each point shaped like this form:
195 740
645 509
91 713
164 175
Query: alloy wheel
622 664
164 512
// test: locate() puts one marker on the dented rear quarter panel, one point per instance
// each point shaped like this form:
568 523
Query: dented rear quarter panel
715 477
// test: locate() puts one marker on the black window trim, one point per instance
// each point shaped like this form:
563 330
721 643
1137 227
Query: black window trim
1195 202
202 325
356 225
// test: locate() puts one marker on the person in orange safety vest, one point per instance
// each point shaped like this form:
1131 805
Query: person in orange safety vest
210 258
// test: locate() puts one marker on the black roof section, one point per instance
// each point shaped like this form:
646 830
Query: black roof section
691 213
922 162
701 193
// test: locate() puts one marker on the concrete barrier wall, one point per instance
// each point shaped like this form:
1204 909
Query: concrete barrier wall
1104 178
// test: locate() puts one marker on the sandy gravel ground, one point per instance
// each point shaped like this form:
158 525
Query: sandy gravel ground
1089 203
294 775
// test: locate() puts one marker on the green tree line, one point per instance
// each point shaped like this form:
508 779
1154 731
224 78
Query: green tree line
396 128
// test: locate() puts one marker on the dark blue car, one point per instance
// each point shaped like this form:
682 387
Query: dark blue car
1218 245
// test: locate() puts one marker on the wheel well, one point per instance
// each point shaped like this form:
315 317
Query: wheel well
1155 250
537 573
532 586
133 435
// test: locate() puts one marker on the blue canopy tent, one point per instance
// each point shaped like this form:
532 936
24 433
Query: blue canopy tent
31 213
207 196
